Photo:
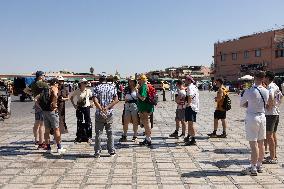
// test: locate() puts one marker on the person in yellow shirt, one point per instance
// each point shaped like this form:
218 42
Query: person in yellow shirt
220 113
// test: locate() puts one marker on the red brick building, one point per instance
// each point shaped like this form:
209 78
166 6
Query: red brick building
238 57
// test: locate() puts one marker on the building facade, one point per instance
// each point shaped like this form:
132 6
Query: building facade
262 51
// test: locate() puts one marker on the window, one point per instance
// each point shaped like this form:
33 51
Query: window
234 56
258 53
246 54
223 57
279 53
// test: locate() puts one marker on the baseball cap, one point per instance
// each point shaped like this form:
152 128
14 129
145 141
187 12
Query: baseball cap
143 77
53 81
188 77
39 73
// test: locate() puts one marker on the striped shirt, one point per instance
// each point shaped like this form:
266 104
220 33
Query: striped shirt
105 93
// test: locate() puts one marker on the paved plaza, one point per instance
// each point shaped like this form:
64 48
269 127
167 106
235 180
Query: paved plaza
213 163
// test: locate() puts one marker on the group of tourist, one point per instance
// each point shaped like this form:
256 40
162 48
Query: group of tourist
262 101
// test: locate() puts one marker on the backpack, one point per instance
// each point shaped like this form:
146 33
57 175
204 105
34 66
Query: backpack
152 95
45 100
227 103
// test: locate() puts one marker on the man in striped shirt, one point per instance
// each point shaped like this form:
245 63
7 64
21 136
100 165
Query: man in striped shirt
105 98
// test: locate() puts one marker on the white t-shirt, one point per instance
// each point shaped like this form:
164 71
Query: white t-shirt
182 99
87 93
275 93
254 100
192 91
132 96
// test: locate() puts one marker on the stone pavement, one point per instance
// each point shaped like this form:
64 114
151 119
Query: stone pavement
213 163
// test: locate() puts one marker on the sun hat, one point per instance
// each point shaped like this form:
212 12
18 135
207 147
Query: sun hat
60 78
132 78
83 80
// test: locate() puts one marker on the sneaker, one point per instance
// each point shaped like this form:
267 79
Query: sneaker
190 143
61 151
212 135
145 143
270 161
249 171
134 139
259 169
123 139
182 135
224 135
186 139
174 134
97 155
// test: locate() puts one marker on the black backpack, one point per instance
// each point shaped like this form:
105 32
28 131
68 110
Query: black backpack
45 100
227 103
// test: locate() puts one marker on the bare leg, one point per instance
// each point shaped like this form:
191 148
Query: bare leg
271 143
261 151
275 141
36 130
41 132
191 130
224 124
183 126
145 121
46 136
177 125
254 152
57 135
215 124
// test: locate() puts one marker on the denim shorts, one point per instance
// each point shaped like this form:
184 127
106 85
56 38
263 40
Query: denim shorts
51 119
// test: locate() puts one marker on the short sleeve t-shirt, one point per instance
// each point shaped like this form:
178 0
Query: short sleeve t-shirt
143 106
192 91
37 87
83 97
274 92
105 93
181 95
224 92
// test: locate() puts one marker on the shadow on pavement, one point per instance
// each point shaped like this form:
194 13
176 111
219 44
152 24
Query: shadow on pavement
232 151
226 163
17 150
205 173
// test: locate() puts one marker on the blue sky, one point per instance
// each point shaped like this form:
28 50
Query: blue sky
128 35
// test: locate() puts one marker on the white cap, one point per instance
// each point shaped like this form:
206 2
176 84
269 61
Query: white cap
83 80
60 78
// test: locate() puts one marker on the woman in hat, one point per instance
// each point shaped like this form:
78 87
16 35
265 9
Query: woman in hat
63 95
82 106
130 112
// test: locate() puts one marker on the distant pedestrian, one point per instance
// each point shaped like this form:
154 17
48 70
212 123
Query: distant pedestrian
145 109
105 98
63 96
82 107
191 110
48 102
220 112
173 89
130 112
180 111
255 100
272 116
36 88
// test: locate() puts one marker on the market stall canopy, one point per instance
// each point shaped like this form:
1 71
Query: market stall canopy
246 77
